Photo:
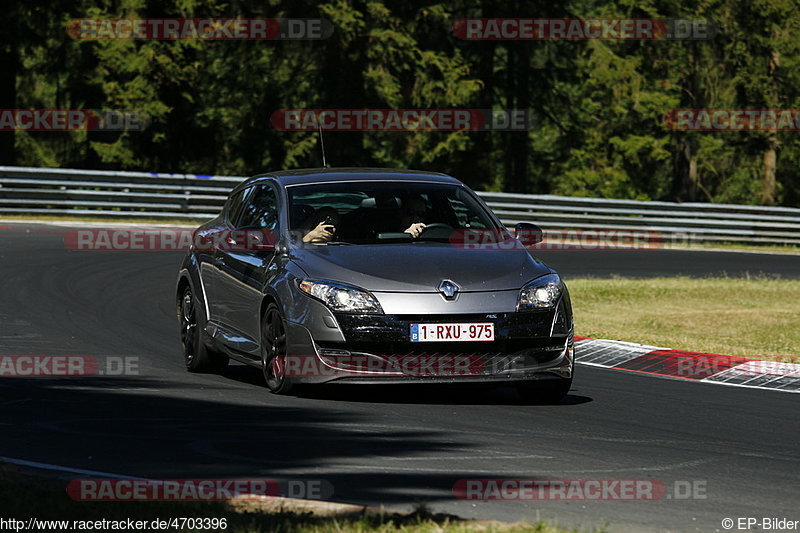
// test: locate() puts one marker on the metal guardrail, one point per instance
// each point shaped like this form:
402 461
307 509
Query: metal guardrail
26 190
676 222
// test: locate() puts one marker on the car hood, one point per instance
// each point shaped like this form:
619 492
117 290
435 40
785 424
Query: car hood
419 267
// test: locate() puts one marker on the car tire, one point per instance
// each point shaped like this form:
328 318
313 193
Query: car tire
273 351
197 356
544 392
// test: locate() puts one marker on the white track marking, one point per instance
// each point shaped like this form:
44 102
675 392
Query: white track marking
65 469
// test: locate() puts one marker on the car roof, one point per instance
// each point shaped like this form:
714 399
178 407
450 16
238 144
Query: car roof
316 175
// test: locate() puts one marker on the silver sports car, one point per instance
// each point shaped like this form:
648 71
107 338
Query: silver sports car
373 276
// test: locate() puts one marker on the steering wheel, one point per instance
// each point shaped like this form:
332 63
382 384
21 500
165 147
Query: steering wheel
434 225
444 229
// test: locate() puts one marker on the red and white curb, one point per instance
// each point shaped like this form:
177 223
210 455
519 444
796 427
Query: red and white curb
693 366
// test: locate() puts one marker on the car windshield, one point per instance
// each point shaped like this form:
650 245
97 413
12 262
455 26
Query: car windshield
365 212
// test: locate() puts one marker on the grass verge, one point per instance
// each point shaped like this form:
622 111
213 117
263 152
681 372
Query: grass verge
736 247
755 318
25 497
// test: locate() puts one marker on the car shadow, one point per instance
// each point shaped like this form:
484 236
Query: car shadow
422 394
163 429
411 393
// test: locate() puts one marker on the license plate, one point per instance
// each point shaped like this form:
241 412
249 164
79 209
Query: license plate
453 332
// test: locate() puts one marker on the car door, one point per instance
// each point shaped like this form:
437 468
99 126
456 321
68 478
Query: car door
209 254
246 265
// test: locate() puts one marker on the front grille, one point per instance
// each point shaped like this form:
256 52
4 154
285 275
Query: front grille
525 334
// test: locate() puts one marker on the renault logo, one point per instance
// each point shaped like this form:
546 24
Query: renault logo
448 289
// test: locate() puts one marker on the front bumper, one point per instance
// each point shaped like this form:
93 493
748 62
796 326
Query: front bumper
377 349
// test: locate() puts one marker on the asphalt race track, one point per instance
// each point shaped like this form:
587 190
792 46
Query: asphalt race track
393 447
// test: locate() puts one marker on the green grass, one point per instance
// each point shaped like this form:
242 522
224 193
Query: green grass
726 246
24 496
756 318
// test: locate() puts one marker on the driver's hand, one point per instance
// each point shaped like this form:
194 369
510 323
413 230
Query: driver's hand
322 233
415 230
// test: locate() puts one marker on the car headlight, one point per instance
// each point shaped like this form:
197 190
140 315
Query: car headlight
340 297
541 293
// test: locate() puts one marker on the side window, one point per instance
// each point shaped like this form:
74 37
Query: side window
234 206
260 210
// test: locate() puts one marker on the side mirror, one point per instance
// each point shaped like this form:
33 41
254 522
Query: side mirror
528 234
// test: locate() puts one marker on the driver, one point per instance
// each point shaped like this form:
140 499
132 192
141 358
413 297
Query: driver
322 226
414 210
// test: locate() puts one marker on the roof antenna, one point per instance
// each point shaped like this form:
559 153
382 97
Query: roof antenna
322 144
